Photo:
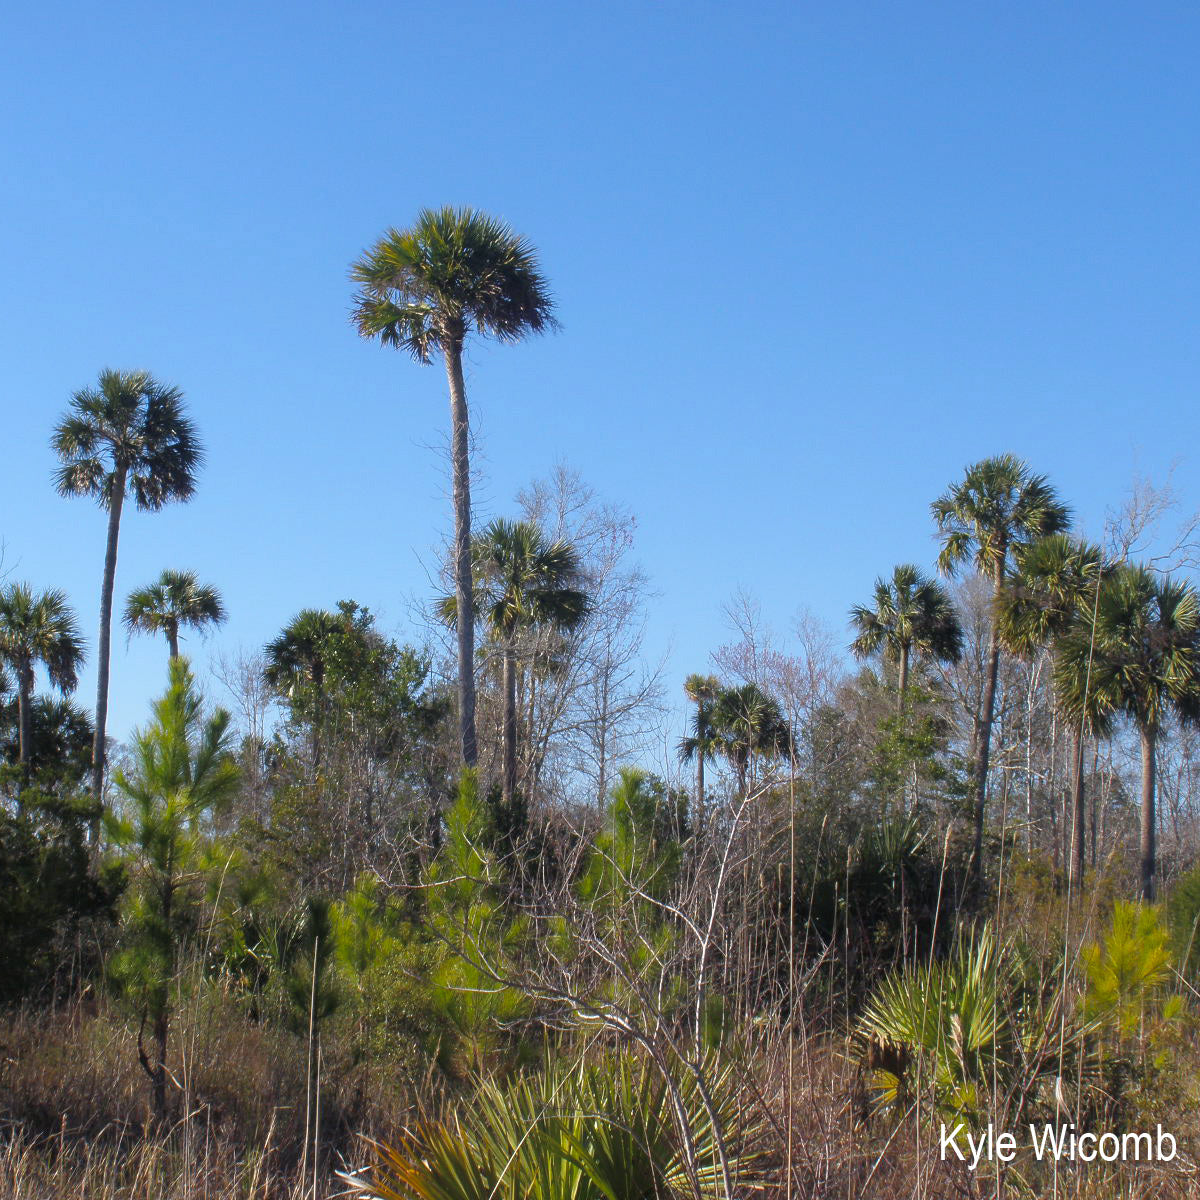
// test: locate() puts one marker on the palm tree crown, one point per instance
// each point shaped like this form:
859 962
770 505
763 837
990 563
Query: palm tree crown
453 271
38 629
175 599
749 723
128 433
911 612
521 580
998 505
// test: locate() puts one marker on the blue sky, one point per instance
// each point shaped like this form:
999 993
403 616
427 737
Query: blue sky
810 261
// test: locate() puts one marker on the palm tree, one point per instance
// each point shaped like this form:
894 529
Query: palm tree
176 598
704 740
912 612
522 581
749 722
1141 658
998 507
37 630
1050 593
129 435
425 289
298 658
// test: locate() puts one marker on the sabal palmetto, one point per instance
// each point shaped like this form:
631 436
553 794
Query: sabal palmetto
37 629
297 659
175 599
749 723
704 740
1141 658
912 613
997 507
522 580
128 436
425 289
1050 592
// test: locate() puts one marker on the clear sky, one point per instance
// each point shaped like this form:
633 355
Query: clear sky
811 259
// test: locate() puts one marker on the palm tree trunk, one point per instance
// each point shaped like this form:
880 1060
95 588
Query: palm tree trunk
25 724
985 737
103 651
902 687
1149 822
463 591
173 638
510 725
1079 817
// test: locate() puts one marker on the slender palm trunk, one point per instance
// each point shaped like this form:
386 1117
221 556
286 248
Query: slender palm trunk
1149 819
173 638
902 687
700 781
25 723
510 725
985 736
103 651
463 590
1079 812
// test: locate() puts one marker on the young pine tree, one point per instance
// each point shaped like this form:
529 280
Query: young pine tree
181 772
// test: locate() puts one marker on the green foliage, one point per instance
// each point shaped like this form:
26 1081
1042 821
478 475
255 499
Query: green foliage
604 1130
426 287
176 599
477 940
952 1018
1183 920
181 772
48 896
1129 973
129 430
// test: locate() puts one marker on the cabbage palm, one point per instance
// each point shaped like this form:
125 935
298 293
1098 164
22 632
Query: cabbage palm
37 630
522 580
1142 659
748 722
912 613
1049 594
425 289
704 740
297 659
176 598
128 436
998 507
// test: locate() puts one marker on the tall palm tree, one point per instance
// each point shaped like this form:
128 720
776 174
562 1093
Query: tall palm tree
1142 658
1050 593
748 723
37 629
997 507
704 740
912 613
128 436
175 598
298 658
425 289
522 580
